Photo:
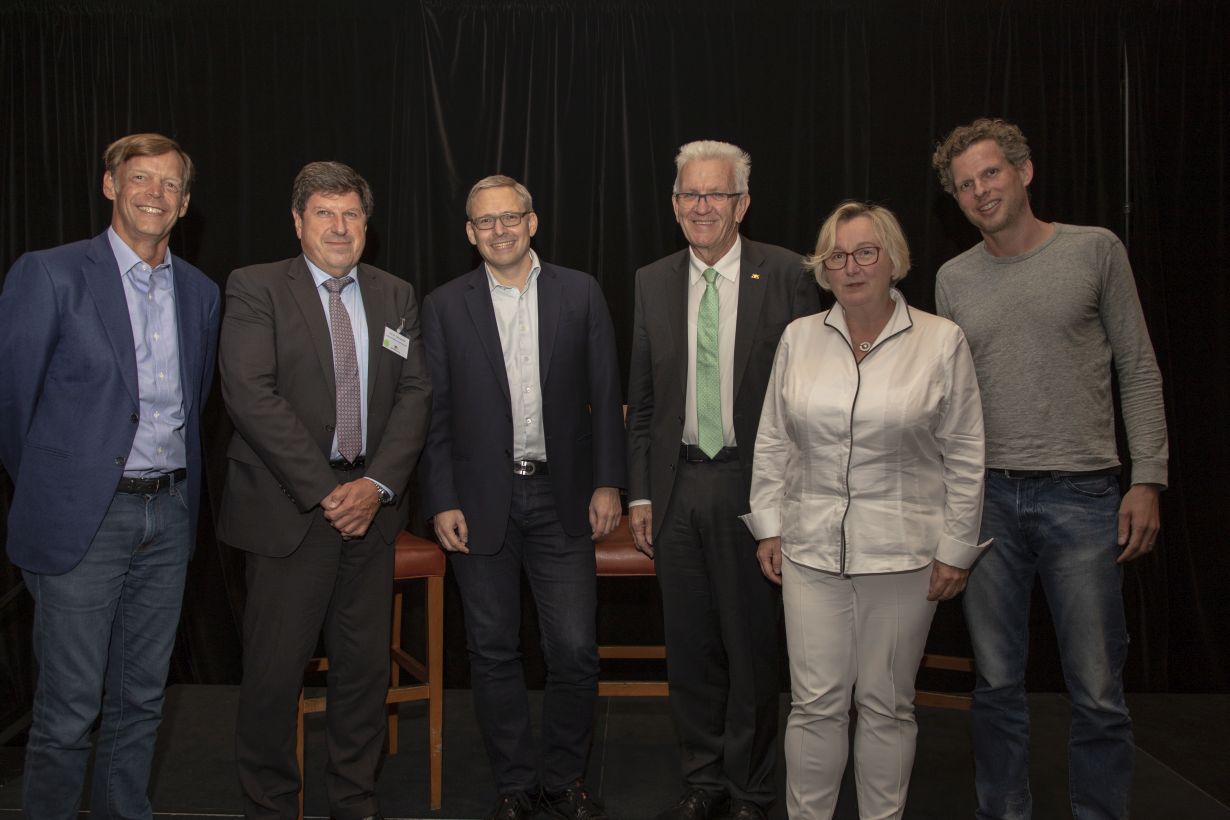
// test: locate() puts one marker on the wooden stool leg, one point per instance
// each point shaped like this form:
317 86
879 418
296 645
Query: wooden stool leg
394 668
299 742
435 686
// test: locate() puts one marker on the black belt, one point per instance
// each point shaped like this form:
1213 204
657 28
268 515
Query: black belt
343 464
527 468
1052 473
151 485
692 454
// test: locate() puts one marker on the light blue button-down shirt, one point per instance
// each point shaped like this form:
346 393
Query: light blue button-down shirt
352 300
150 292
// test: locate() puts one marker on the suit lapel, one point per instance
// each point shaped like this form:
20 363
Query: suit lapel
305 294
188 310
677 309
548 318
478 303
374 302
101 275
751 298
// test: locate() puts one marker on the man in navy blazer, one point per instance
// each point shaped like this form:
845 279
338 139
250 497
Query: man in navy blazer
106 356
522 468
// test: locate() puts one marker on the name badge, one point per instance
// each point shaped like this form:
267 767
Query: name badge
396 342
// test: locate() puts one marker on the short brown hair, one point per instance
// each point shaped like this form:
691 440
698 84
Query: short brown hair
500 181
888 234
330 178
1008 136
146 145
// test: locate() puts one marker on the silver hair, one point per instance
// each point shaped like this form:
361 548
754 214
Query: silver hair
740 160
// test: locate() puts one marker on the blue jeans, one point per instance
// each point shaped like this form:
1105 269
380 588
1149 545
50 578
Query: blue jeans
1064 530
563 578
103 634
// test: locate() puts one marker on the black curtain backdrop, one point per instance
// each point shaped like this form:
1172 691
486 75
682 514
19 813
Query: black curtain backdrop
586 102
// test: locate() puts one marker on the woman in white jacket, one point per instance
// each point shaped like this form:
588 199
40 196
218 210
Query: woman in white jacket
866 502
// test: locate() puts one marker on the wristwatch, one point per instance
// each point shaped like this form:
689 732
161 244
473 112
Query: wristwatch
385 496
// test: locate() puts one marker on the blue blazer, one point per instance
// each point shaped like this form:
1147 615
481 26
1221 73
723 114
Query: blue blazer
467 461
68 393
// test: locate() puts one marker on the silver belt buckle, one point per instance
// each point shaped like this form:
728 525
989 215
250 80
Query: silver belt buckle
524 468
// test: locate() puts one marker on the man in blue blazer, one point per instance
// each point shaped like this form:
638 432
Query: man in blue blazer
522 468
106 356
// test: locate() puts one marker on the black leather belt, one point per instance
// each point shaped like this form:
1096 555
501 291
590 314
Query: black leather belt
692 454
152 484
343 464
1052 473
524 467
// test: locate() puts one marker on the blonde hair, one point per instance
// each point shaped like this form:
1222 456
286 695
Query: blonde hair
887 230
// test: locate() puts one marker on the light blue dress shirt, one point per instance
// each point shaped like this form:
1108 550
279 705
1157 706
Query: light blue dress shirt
150 292
352 300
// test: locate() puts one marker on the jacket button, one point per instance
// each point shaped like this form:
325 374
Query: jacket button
134 418
328 428
120 460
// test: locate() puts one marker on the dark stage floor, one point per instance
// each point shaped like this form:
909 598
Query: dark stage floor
1182 761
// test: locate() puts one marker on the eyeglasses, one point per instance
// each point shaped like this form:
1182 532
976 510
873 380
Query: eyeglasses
509 219
715 198
863 257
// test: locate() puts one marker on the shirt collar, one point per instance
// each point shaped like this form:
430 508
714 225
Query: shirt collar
126 258
535 269
899 321
320 277
727 267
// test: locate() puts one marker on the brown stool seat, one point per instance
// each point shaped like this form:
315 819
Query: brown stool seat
618 557
417 558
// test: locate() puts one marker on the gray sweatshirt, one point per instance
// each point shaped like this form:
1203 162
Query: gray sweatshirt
1044 328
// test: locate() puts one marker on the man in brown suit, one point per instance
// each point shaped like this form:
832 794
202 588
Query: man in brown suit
324 377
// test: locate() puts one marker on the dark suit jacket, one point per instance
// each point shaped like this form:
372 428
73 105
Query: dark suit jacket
774 289
276 360
467 461
68 393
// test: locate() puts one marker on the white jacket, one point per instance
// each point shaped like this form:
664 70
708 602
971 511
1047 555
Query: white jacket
874 466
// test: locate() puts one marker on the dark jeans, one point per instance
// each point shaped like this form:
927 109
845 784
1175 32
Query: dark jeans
1063 530
103 634
563 579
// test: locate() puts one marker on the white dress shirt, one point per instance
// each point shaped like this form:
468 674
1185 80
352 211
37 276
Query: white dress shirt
727 282
874 466
516 318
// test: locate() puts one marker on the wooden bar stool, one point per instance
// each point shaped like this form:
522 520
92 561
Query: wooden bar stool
945 700
617 557
416 559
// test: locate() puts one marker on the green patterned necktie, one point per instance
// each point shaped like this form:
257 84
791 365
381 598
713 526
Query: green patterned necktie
708 374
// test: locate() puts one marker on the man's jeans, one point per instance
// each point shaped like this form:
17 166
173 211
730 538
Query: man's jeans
106 626
1065 530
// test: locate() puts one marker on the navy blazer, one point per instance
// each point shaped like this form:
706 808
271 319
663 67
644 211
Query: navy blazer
68 393
466 462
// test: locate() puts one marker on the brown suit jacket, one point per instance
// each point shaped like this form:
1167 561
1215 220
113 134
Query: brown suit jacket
276 360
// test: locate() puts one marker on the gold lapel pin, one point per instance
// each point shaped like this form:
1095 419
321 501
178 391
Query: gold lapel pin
755 275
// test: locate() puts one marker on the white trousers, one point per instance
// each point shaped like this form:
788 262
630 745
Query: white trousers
855 640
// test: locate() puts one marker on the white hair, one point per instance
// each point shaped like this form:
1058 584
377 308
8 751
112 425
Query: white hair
740 161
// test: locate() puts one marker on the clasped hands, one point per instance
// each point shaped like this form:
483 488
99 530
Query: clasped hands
350 507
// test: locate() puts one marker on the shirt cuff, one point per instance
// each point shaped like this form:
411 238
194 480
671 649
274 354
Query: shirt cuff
639 502
763 523
392 495
959 554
